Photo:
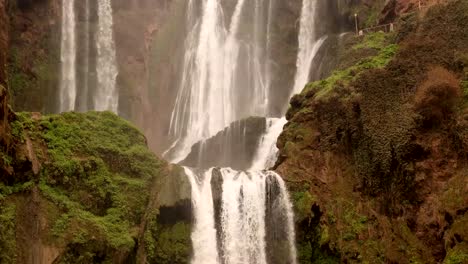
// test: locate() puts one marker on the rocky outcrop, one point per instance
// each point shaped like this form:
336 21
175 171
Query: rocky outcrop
85 186
233 147
375 155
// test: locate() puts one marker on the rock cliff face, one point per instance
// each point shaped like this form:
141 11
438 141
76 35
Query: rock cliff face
34 56
4 110
233 147
35 33
376 153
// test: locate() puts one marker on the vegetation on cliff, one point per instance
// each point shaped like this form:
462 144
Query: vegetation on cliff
92 179
381 146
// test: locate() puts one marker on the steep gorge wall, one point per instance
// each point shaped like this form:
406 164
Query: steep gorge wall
375 154
34 57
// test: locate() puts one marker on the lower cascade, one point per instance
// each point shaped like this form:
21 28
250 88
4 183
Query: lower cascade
241 217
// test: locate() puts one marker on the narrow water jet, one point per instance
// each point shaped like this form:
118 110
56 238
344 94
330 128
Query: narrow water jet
204 232
68 57
267 151
106 94
84 93
309 44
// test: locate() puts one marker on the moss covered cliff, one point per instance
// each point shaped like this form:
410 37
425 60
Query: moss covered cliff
376 153
84 188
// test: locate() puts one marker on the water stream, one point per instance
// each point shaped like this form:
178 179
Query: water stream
106 96
68 57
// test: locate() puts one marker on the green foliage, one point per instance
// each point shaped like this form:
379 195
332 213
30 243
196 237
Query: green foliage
98 176
303 201
17 78
377 41
458 255
19 126
7 233
168 244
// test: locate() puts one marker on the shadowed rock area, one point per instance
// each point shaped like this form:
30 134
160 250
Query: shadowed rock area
233 147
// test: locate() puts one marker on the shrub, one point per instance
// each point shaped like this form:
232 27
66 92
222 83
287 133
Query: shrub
437 96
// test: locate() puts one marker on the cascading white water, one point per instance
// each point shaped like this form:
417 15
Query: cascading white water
83 104
223 66
285 204
204 232
106 96
309 44
223 74
68 57
243 216
267 151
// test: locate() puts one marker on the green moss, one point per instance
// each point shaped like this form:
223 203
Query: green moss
303 201
168 244
7 233
377 41
97 174
457 255
17 78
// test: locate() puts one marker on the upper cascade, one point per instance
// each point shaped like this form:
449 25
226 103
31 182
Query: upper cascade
225 71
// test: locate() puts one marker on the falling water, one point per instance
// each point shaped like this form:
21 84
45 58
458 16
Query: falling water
267 151
243 215
309 44
83 96
226 77
68 57
204 232
223 75
106 97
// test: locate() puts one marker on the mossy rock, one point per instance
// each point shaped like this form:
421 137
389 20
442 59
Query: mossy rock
98 180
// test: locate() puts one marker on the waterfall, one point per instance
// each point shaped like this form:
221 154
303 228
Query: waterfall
249 200
106 97
83 96
309 44
68 57
241 217
223 74
204 232
267 151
